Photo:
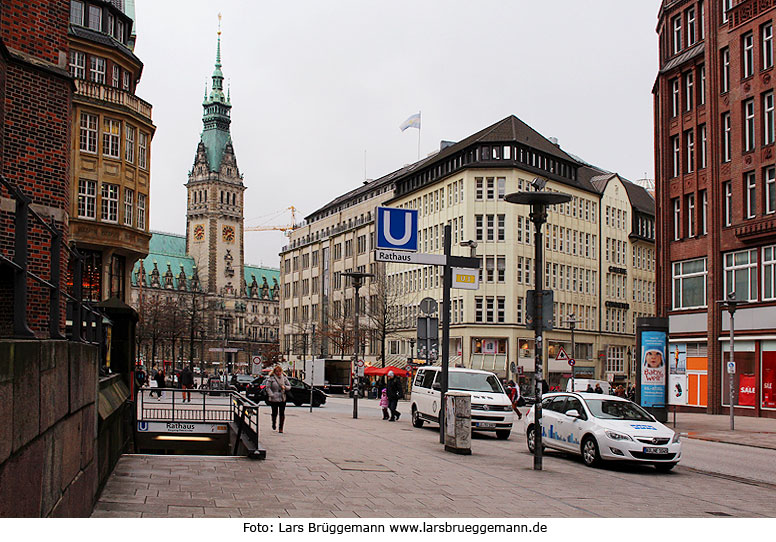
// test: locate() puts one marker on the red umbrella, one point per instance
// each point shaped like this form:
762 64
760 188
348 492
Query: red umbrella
383 371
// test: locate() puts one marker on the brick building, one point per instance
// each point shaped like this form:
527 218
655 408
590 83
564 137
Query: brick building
35 98
716 197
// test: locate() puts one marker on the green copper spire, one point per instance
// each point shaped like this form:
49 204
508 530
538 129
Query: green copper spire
216 114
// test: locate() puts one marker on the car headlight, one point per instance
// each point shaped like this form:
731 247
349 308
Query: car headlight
675 439
617 436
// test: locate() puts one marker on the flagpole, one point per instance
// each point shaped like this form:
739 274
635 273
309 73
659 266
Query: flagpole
420 119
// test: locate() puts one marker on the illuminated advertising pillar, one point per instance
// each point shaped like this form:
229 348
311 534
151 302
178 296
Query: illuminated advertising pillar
653 366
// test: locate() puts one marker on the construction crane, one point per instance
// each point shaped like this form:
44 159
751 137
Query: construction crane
287 229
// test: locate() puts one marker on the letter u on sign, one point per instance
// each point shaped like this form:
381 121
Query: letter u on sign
397 229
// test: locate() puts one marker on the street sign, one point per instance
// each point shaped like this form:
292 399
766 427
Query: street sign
428 305
466 279
397 229
314 372
731 367
547 309
256 365
513 367
360 367
562 355
572 362
519 370
409 257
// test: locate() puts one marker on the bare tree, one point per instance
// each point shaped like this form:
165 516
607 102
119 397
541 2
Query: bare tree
174 323
383 314
151 322
339 331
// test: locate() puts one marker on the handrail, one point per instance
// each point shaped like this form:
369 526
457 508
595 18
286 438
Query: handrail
20 266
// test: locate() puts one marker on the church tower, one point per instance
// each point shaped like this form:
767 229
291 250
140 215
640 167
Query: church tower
214 218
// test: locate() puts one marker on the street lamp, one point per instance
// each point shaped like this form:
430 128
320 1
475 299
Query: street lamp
538 202
731 304
358 278
572 321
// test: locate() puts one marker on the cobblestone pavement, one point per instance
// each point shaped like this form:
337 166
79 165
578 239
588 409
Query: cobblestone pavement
327 464
749 431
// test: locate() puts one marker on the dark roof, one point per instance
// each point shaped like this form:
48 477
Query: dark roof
640 199
366 188
687 55
103 39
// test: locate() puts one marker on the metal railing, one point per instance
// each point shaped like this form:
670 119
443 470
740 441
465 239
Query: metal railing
86 320
203 406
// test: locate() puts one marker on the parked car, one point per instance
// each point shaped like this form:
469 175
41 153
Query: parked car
491 407
240 382
299 394
604 428
213 383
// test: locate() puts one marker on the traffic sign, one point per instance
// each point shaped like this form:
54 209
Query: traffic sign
562 355
731 367
466 279
397 229
360 366
428 305
572 362
409 257
256 365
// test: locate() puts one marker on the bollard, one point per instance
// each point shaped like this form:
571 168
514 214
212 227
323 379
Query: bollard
458 423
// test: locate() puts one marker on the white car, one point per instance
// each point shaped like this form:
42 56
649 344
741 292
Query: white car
491 407
604 427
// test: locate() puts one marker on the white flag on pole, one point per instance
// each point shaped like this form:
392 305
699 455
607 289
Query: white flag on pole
412 122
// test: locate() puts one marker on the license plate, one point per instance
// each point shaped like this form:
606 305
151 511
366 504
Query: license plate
649 450
485 424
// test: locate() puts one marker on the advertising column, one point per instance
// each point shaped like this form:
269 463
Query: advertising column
652 376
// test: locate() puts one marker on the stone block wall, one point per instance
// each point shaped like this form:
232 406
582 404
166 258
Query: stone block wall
48 438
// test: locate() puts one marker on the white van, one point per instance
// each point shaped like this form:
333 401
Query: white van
491 407
581 384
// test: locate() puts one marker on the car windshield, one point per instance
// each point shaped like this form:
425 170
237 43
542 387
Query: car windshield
609 409
244 378
475 382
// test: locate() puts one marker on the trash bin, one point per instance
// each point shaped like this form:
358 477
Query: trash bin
458 423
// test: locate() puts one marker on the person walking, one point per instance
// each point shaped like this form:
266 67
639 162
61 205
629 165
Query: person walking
186 381
140 377
514 396
384 403
159 378
276 385
598 388
394 393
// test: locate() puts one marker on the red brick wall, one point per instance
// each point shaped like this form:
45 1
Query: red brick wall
34 151
36 27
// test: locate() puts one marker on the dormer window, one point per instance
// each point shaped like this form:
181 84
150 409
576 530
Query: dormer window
95 18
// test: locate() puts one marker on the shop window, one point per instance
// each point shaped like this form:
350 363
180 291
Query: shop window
744 379
768 375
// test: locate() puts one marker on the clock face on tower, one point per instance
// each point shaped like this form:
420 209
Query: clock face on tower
228 234
199 232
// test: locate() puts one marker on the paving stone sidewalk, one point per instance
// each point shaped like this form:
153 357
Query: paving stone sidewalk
329 465
749 431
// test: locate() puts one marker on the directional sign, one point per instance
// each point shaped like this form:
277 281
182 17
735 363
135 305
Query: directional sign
466 279
409 257
397 229
562 355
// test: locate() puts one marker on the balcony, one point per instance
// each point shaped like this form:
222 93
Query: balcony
746 10
753 231
97 91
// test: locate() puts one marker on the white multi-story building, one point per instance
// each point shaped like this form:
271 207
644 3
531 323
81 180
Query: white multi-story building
599 256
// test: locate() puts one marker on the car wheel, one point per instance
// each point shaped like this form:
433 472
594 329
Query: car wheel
298 402
531 439
503 434
664 467
416 420
590 454
316 403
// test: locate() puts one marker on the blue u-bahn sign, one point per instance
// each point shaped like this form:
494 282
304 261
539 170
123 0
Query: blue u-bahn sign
397 229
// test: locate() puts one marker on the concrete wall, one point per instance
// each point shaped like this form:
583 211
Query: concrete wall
48 394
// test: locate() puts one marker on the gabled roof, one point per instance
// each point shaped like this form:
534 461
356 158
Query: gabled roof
640 199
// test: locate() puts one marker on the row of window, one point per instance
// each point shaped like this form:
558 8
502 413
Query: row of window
644 258
615 320
750 279
569 278
109 204
617 218
98 70
687 28
644 291
100 19
616 251
434 202
616 286
135 141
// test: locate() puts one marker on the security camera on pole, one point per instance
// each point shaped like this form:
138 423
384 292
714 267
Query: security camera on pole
538 298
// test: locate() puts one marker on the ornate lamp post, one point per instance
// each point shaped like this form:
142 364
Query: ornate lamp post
538 202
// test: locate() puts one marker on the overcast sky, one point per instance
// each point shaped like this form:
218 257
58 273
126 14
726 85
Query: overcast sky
316 84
